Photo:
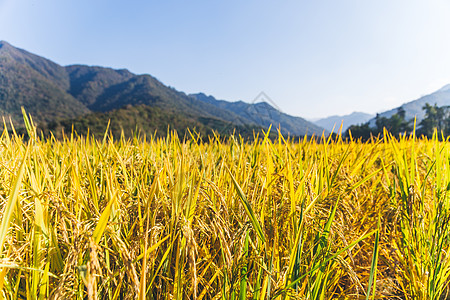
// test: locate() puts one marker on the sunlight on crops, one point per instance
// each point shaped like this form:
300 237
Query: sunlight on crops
223 219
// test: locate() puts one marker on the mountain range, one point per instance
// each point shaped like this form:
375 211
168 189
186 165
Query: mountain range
414 109
88 97
333 123
58 97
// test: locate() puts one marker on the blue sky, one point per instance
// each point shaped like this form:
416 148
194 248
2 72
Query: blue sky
313 58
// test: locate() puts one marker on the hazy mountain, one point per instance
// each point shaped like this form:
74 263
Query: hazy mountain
263 114
354 118
414 108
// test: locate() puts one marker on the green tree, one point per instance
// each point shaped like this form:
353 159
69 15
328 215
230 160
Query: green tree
436 118
396 124
362 131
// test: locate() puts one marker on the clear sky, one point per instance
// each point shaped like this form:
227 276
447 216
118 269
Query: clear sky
314 58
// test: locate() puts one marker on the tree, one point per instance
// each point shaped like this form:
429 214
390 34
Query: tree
396 124
362 131
436 118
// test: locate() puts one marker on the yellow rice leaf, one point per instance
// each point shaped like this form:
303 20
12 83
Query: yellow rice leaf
102 222
12 199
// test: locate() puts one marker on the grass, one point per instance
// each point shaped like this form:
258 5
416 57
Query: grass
227 219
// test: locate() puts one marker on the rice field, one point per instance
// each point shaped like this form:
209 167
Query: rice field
172 218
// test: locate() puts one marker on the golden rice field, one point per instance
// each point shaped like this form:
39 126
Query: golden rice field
172 219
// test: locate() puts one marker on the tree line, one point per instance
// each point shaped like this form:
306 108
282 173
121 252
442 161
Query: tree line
436 118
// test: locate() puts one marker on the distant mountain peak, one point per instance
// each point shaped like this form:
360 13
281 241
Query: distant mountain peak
5 46
347 120
444 88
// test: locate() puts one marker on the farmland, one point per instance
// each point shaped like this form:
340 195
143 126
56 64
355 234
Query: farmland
174 218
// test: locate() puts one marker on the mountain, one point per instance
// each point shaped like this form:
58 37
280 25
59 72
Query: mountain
354 118
103 89
263 114
36 83
88 96
55 95
414 108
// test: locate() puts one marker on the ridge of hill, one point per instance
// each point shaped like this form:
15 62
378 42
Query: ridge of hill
263 114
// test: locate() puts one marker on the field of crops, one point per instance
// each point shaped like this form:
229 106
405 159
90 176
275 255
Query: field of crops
172 219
